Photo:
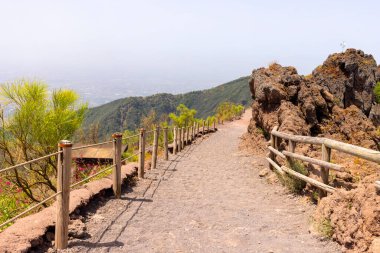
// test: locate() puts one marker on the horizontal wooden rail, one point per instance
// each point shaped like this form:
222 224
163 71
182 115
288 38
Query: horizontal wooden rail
276 152
309 180
274 164
324 164
365 153
298 138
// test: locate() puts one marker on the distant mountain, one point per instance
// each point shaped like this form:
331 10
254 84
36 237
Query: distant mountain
127 113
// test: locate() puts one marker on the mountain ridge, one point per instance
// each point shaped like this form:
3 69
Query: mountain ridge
126 113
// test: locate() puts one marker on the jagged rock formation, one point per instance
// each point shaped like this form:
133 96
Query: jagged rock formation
336 100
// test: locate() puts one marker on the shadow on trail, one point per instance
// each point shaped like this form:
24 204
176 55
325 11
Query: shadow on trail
167 171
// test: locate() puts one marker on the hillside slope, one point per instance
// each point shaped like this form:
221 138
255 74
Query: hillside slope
126 113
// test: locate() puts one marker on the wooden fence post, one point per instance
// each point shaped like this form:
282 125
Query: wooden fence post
203 127
116 172
166 150
63 199
273 144
141 153
188 135
208 126
194 130
155 147
326 156
175 144
214 125
179 139
183 138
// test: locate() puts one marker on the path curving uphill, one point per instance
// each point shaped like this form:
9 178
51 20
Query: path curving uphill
209 198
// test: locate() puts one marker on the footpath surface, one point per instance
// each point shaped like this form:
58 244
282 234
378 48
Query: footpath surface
209 198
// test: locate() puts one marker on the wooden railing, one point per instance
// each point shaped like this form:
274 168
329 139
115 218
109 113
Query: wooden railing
325 163
181 137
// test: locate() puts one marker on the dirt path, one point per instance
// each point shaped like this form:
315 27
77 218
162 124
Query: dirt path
209 198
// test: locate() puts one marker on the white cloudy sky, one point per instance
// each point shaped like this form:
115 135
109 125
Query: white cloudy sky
141 47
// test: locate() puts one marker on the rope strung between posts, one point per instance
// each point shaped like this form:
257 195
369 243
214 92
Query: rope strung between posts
129 157
94 175
92 145
132 136
31 161
30 209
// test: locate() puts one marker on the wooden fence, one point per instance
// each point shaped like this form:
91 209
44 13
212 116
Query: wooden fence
325 163
181 137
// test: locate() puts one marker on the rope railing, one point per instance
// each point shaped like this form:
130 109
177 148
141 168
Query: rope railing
129 157
29 162
92 176
92 145
130 137
64 161
30 209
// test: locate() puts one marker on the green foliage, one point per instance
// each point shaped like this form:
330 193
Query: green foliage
376 91
37 121
326 228
128 113
185 116
292 183
229 111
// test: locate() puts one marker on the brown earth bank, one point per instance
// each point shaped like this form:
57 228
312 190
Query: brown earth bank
35 232
336 101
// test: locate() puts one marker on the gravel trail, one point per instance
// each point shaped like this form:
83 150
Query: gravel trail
209 198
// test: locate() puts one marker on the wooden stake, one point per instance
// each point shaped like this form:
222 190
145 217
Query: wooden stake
141 153
183 138
175 144
116 173
166 149
326 156
63 199
179 139
155 147
187 135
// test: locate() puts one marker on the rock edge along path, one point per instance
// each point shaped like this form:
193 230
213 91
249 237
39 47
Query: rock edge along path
209 198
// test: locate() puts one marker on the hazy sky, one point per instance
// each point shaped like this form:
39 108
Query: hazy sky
175 46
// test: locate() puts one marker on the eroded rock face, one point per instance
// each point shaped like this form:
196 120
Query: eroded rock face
350 77
336 101
322 101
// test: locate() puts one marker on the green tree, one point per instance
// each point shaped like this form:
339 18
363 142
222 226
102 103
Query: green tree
184 116
376 91
35 121
229 111
149 121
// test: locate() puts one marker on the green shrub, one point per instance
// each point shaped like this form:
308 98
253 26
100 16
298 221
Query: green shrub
376 92
292 183
326 228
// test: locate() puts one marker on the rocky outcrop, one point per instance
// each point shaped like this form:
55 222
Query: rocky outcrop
336 101
350 77
335 97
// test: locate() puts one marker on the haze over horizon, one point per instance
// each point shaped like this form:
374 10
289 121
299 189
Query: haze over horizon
112 49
